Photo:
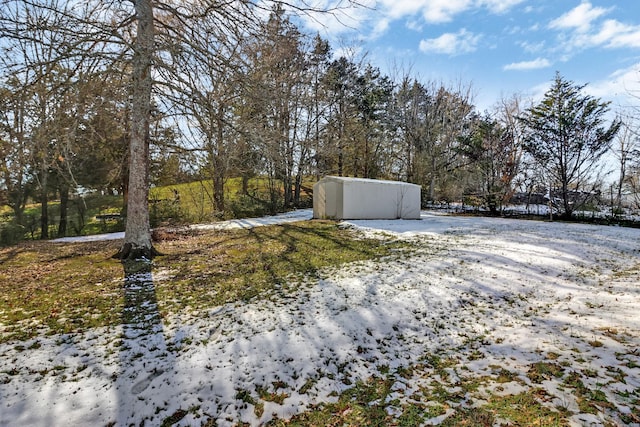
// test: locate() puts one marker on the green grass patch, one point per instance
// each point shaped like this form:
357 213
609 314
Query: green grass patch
219 267
589 401
193 202
81 218
375 403
470 417
60 288
541 371
271 394
361 405
524 409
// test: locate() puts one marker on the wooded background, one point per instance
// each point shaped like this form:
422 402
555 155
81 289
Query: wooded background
240 91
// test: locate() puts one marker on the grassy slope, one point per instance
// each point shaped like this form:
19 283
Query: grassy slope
195 205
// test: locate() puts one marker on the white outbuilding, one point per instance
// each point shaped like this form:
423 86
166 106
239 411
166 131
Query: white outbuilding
359 198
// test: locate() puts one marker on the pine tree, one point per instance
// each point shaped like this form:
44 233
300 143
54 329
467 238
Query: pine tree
567 136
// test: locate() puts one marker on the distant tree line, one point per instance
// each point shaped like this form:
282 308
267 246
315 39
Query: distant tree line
265 99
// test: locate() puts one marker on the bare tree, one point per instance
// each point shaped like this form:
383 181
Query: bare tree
507 112
411 100
627 146
137 240
448 116
14 147
339 83
142 33
43 75
495 156
137 235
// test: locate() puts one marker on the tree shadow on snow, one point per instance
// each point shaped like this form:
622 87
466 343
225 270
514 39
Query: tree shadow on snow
144 355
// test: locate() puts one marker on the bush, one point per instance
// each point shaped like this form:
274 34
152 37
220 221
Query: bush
166 212
245 206
11 233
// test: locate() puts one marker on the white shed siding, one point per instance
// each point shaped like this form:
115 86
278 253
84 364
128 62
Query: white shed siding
359 198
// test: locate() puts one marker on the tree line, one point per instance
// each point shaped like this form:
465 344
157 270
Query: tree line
213 90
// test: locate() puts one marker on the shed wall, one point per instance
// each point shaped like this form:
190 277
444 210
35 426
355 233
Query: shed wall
327 199
353 198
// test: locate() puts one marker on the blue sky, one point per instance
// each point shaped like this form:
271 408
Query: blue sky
500 47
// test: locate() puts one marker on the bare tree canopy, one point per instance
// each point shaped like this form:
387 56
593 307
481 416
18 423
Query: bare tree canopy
146 34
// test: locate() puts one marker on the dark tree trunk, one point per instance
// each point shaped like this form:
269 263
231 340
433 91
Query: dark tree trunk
44 218
297 189
219 159
64 207
44 211
245 184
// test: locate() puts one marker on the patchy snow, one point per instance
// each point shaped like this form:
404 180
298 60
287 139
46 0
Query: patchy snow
91 238
491 294
292 216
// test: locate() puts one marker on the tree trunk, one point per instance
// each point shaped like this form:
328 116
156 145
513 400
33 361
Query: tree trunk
137 240
340 157
245 184
287 187
44 211
432 180
219 162
568 209
44 218
297 188
64 208
621 180
365 169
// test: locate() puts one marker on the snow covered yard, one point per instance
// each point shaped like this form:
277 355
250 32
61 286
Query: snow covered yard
485 321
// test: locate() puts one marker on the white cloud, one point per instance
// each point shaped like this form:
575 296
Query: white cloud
380 28
376 16
444 10
579 18
451 43
622 86
396 9
439 11
531 9
614 34
580 29
414 25
531 47
528 65
342 18
436 11
500 6
433 11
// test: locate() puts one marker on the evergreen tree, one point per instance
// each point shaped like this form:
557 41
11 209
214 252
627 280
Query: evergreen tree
567 136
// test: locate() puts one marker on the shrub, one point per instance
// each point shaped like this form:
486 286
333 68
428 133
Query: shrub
11 233
245 206
166 212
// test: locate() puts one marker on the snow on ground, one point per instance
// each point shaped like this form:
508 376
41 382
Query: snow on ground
282 218
491 294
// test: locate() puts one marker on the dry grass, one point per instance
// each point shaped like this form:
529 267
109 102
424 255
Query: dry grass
52 288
